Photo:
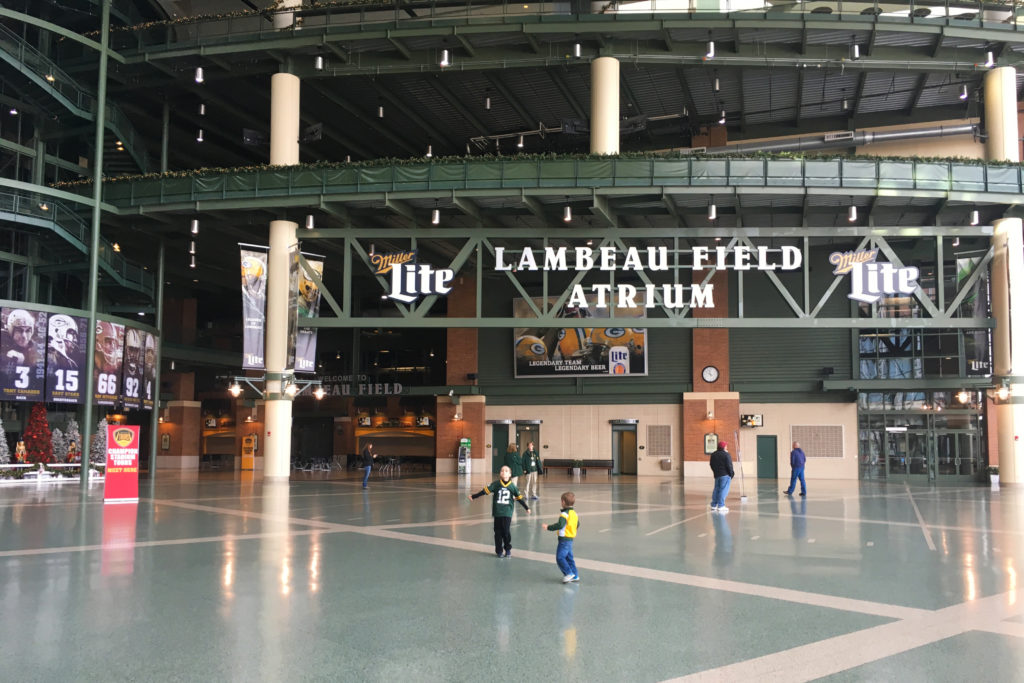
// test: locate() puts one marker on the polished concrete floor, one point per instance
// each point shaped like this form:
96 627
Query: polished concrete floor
220 579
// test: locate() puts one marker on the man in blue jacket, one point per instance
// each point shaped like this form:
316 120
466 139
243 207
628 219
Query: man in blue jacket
797 460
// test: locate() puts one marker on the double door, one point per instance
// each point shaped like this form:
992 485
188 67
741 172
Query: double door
933 456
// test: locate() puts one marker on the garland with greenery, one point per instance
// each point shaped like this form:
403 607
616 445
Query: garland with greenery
208 171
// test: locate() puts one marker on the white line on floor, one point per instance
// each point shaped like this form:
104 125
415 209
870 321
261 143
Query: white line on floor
920 520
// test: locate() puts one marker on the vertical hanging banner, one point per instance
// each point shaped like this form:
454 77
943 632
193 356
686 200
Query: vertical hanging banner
977 343
293 305
132 375
254 304
308 306
65 359
107 362
149 372
121 483
22 355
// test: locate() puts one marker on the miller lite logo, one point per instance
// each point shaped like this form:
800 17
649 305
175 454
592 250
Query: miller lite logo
618 360
123 437
411 280
869 279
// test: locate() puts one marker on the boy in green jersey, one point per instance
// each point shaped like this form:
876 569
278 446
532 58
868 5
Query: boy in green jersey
566 526
505 494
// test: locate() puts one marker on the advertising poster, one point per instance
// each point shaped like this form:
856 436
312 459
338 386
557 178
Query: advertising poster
293 305
65 359
132 372
107 362
586 350
121 483
22 354
254 304
977 343
308 300
149 371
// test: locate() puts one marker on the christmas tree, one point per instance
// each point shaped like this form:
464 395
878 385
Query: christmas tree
37 436
60 445
98 449
5 449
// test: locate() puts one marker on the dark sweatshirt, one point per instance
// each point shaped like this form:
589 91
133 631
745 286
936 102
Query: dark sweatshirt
721 463
797 458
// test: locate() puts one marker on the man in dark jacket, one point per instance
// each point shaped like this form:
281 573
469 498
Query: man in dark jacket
721 467
797 460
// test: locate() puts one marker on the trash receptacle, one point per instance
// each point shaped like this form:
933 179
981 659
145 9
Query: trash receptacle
666 464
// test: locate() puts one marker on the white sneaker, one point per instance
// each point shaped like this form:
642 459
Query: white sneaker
714 509
567 578
723 509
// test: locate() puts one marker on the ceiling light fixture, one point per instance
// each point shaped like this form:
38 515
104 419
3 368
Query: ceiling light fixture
855 52
380 111
718 85
310 223
13 112
195 226
721 118
202 109
712 212
44 206
291 389
435 216
521 143
487 103
711 50
192 262
235 389
318 63
199 136
963 396
116 247
445 61
1003 393
319 393
430 150
975 217
990 60
956 242
192 246
577 50
50 78
851 213
963 92
846 104
199 74
567 212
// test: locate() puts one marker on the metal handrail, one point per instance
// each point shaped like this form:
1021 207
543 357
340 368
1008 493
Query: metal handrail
258 25
75 231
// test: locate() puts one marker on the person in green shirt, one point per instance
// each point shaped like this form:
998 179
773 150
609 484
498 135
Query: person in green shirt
505 495
531 467
514 462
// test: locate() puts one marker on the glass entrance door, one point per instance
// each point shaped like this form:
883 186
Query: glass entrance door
940 456
908 454
958 454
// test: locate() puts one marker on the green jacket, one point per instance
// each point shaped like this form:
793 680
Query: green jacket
531 462
514 462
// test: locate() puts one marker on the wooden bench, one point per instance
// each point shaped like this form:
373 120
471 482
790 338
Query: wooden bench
559 463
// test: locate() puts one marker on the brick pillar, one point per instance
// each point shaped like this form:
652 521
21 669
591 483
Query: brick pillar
711 408
462 343
182 428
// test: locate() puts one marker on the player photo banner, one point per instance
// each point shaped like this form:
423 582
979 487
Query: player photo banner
107 362
22 354
254 304
133 370
293 306
580 351
149 372
65 359
308 306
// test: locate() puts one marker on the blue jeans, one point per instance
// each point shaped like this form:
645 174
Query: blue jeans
798 473
366 474
721 491
564 558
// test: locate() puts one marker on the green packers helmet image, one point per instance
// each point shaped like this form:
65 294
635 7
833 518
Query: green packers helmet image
529 348
253 276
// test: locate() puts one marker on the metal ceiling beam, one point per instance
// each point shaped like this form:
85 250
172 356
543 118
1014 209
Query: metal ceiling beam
402 49
684 85
466 45
922 80
602 208
563 87
799 98
372 123
494 78
456 103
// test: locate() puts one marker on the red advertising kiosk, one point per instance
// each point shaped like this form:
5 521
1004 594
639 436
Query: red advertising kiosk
122 478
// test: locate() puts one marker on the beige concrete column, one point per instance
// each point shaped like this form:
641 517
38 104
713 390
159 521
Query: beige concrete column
604 106
1008 342
286 19
284 150
1001 115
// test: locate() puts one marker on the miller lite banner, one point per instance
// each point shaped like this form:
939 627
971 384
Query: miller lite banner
871 279
22 354
307 297
121 483
254 304
580 351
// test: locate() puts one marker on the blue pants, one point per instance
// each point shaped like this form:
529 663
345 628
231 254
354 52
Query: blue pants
798 473
721 491
366 474
563 556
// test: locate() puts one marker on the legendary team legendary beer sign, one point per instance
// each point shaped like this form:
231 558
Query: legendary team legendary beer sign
869 279
121 484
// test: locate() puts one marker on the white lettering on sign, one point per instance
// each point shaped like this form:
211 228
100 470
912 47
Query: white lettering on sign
411 281
869 279
653 258
625 296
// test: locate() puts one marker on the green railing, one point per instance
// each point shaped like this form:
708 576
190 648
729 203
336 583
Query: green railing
74 229
838 174
246 26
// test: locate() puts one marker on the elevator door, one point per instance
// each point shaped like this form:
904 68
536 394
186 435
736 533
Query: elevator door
499 442
623 449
